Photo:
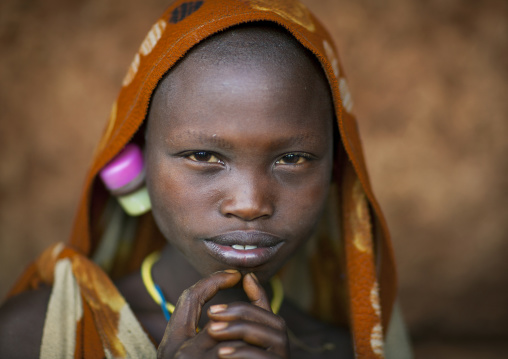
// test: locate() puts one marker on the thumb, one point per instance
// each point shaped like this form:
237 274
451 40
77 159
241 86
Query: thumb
255 292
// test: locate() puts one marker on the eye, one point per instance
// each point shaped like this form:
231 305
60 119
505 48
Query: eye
293 159
204 156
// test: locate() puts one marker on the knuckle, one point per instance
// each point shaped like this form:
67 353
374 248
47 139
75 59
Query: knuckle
189 294
183 352
181 355
164 353
281 323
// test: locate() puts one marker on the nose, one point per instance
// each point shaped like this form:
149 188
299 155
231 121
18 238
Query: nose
248 198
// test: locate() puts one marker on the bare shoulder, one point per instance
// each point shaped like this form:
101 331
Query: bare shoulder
21 324
311 338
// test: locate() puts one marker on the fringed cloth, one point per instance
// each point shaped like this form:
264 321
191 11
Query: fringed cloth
86 317
349 266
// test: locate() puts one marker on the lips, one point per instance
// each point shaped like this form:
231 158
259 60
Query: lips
244 249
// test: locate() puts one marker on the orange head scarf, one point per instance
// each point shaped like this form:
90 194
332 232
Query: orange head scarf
352 274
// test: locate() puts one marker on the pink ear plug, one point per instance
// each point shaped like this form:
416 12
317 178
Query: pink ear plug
124 176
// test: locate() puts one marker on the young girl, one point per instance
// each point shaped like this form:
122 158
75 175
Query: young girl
251 231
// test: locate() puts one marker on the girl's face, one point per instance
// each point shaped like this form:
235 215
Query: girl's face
239 162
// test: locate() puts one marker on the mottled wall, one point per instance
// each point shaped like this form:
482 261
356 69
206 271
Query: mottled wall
429 80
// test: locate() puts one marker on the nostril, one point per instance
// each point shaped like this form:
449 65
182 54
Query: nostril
247 215
247 210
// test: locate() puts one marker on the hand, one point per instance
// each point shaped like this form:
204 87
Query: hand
181 339
239 330
249 330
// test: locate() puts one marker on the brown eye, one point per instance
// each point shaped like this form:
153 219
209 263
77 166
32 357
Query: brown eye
291 159
203 156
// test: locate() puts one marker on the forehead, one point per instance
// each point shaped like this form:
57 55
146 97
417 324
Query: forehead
245 73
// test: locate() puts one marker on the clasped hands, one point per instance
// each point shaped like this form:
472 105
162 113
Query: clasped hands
236 330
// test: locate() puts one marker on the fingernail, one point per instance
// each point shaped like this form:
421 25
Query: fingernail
231 271
218 326
226 350
218 308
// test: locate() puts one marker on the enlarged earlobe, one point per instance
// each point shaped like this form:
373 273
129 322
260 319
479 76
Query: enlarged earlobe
124 176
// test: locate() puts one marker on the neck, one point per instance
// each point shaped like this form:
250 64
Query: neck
174 274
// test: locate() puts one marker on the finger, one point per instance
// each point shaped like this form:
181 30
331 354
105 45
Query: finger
188 308
213 352
252 333
196 346
178 345
246 351
246 312
202 342
255 292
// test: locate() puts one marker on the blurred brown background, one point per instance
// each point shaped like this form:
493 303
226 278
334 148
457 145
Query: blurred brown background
429 79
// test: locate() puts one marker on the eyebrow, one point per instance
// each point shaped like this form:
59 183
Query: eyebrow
206 139
216 140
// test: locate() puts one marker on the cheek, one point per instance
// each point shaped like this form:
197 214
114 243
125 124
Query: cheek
165 192
302 206
178 203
